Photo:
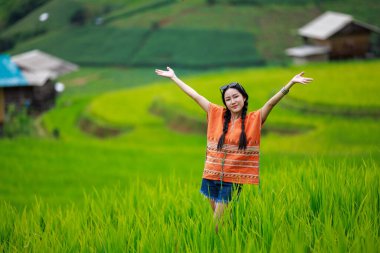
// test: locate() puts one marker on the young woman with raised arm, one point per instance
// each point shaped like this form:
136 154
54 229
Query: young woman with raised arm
233 139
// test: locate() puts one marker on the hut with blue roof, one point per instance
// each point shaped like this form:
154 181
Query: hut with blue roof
29 80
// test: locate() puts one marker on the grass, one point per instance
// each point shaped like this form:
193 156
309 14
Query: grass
352 84
138 191
329 131
319 207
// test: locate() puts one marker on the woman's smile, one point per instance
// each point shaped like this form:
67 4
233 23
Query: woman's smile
234 106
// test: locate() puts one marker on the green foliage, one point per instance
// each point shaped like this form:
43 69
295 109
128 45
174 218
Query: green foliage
99 47
198 49
135 8
259 33
263 2
30 26
143 47
6 44
367 13
17 122
14 10
79 17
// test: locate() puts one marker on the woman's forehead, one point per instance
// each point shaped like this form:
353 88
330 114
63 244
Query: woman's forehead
231 92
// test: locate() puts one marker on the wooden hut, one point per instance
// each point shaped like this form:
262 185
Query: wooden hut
11 79
28 80
333 36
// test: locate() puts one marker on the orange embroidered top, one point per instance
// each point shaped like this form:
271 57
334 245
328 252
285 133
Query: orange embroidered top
231 164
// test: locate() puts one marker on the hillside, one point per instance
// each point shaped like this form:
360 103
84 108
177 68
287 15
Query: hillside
189 34
114 122
116 165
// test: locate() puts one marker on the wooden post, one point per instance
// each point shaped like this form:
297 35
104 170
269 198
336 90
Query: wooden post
2 106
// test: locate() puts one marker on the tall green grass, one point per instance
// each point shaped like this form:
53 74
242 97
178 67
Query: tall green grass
138 191
315 207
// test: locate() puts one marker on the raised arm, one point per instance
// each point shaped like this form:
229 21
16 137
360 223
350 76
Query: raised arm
267 108
202 101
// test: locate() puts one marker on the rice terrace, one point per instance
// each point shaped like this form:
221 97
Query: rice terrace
116 164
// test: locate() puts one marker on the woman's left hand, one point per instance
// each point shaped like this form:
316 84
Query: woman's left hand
300 79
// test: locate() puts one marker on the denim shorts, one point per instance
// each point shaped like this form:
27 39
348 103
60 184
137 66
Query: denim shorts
220 191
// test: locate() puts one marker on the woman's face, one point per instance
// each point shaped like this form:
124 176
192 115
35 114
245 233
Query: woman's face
234 100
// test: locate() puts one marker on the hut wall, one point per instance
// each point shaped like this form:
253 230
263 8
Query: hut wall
350 46
310 58
44 97
35 98
346 46
19 96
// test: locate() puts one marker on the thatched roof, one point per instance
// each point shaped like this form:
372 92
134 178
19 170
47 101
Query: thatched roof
37 61
38 78
330 23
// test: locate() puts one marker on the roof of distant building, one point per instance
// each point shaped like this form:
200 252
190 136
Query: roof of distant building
330 23
38 78
37 60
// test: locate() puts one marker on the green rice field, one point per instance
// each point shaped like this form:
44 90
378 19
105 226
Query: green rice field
137 189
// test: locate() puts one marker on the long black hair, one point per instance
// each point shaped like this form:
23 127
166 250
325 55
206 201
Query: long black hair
227 116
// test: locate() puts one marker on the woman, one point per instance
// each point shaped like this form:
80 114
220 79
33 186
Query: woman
233 139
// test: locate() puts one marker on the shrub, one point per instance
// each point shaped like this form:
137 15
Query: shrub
79 17
6 44
17 122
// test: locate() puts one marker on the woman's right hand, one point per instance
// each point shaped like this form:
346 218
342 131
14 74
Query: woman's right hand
169 73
